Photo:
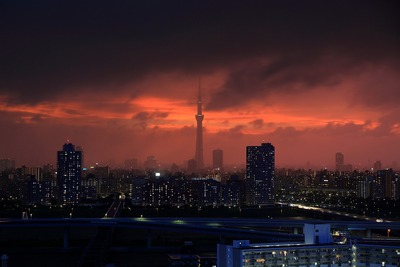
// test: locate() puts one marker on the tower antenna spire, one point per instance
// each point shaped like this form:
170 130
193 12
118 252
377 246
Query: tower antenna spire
199 102
199 89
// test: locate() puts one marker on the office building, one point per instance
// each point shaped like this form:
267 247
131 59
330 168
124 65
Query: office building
339 161
365 187
385 183
69 167
233 193
260 173
38 192
218 159
208 192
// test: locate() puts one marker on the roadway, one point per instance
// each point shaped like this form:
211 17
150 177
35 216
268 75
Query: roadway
229 225
334 212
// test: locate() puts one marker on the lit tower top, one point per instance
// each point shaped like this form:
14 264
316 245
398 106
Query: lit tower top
199 134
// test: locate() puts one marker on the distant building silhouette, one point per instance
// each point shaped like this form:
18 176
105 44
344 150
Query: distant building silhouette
131 164
37 172
191 165
218 159
151 163
199 134
260 173
48 170
7 165
174 168
69 167
339 161
377 166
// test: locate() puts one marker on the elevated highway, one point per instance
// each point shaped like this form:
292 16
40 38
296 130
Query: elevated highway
235 226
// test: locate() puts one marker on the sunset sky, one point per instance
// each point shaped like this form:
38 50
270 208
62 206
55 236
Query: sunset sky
120 79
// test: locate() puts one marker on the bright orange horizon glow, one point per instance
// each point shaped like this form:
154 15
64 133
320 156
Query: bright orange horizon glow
180 114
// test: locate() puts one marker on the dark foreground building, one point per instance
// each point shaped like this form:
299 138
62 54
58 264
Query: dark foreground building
318 249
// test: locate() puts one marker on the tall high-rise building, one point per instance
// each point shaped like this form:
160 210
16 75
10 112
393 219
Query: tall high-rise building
69 167
385 184
218 159
339 161
199 134
260 173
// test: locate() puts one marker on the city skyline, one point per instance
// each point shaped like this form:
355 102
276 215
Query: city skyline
312 78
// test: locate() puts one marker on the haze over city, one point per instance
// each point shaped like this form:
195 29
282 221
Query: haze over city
313 78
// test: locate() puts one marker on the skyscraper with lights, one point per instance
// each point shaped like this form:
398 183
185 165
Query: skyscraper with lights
69 166
260 173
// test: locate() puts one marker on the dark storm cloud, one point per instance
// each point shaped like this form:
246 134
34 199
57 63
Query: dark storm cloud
142 119
258 124
318 65
72 112
55 48
285 75
334 130
387 123
381 89
144 116
237 129
287 133
36 118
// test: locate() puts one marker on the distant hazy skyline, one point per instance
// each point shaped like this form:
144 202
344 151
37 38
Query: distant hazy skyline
120 79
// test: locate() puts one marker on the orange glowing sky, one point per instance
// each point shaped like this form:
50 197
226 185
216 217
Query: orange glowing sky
122 81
